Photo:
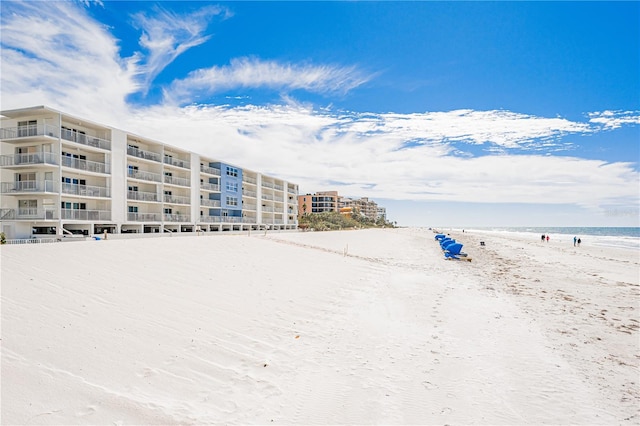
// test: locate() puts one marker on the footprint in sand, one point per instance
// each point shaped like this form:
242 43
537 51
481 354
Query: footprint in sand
429 385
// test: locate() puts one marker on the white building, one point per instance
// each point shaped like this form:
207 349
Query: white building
62 175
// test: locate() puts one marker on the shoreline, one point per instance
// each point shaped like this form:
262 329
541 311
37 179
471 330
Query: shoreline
366 326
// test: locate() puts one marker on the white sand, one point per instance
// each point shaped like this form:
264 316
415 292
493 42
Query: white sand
286 329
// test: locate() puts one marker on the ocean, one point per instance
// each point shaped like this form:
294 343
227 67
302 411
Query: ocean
621 237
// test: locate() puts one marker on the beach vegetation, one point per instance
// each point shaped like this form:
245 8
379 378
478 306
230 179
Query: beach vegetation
333 221
3 239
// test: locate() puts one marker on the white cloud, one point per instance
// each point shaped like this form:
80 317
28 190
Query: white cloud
614 119
53 53
166 35
256 73
321 151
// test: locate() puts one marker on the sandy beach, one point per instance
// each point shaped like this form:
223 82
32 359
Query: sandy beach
350 327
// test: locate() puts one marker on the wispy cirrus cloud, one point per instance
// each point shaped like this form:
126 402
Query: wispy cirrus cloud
166 35
54 53
614 119
250 73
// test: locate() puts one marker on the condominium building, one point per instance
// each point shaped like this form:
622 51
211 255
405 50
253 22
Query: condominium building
364 206
62 175
320 202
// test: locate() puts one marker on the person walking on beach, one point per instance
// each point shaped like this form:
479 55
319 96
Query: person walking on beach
579 241
574 241
542 238
547 238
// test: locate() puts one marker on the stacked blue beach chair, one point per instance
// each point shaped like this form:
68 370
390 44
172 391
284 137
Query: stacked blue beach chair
452 249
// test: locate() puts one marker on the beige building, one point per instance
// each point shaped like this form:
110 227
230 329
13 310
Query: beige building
320 202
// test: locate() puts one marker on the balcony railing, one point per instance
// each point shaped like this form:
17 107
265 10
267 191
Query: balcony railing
85 214
249 219
89 166
210 203
249 193
248 179
29 131
210 170
292 191
28 214
142 196
248 206
176 199
173 180
147 155
267 209
54 132
143 175
267 185
86 190
30 186
176 217
267 197
26 159
220 219
143 217
278 187
210 187
185 164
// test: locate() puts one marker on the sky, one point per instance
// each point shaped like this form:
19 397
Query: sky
454 114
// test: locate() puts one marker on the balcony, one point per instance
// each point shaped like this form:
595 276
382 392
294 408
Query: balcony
250 180
292 191
146 155
28 159
89 166
176 162
81 138
267 209
28 214
210 203
210 187
278 187
175 199
210 170
267 197
267 185
30 131
173 180
143 217
251 194
28 186
142 196
220 219
86 190
176 217
249 206
85 214
143 175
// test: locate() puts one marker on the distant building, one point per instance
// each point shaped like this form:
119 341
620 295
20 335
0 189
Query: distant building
320 202
363 206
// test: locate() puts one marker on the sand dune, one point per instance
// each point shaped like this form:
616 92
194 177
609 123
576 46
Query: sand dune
357 327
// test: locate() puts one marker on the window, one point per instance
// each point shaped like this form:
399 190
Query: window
232 186
168 174
232 171
232 201
167 193
133 188
167 211
133 209
27 128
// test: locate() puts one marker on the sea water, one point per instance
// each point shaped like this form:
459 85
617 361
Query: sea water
621 237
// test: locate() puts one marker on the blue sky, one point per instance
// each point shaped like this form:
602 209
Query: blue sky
447 113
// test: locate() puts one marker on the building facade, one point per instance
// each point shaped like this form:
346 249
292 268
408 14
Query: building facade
62 175
320 202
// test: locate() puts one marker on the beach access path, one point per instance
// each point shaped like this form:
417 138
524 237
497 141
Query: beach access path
349 327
